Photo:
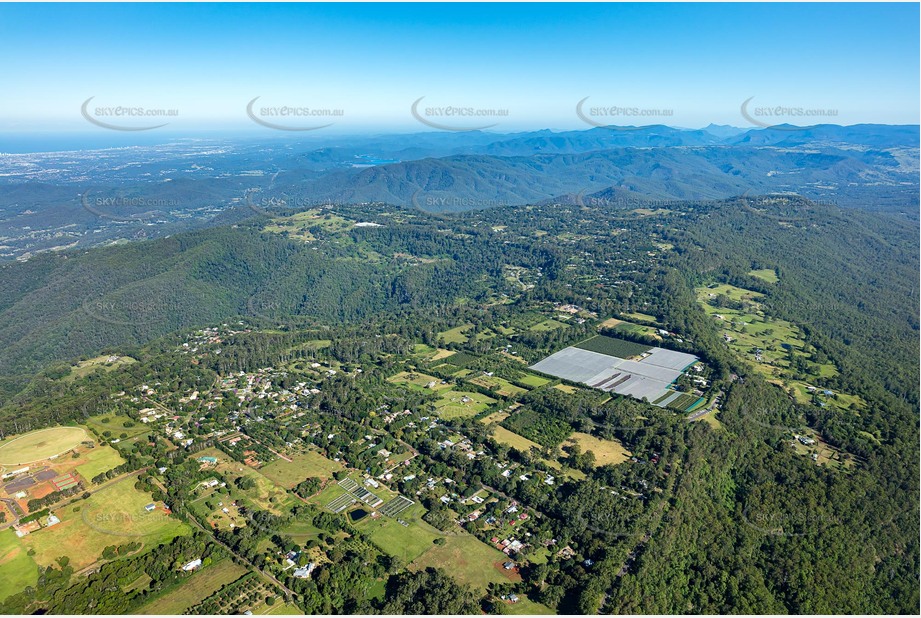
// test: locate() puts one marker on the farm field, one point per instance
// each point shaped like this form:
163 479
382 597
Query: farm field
39 445
495 417
468 560
17 569
612 347
100 459
112 516
532 380
198 587
404 542
606 451
462 404
641 317
303 465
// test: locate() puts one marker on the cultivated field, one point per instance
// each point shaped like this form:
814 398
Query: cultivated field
613 347
39 445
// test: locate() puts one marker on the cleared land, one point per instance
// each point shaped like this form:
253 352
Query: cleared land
468 560
105 362
765 274
112 516
39 445
100 459
419 380
455 335
605 451
198 587
301 466
404 542
17 569
499 386
461 404
501 434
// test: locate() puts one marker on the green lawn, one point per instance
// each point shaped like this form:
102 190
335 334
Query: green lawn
452 404
547 325
100 459
530 379
404 542
17 569
468 560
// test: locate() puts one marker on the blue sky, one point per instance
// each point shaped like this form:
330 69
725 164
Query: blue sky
700 62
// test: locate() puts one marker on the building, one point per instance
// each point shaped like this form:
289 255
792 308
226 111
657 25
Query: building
150 507
191 566
304 572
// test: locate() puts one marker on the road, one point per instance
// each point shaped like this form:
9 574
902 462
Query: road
707 410
191 518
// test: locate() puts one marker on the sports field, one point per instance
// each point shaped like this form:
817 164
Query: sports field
39 445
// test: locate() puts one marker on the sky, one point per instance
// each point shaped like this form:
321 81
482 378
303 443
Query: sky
684 65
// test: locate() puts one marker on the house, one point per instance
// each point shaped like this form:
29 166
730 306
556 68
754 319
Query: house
304 572
150 507
508 566
191 566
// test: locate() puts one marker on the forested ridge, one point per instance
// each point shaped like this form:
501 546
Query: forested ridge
741 524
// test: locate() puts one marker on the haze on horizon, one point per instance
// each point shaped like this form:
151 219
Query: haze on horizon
534 66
